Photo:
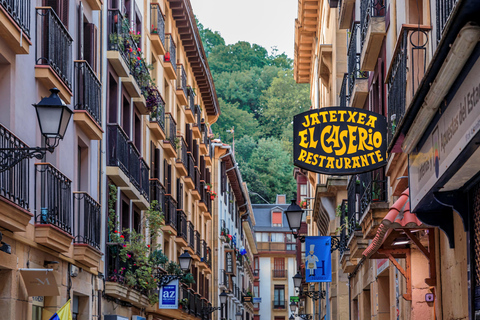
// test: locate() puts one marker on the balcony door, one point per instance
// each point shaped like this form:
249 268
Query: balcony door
279 297
61 9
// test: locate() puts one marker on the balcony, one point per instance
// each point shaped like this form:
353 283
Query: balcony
15 25
279 304
198 251
181 238
373 201
203 254
53 220
403 78
196 193
373 30
204 141
276 247
88 95
356 242
170 215
95 4
190 178
87 219
170 58
157 31
117 54
157 193
157 119
357 79
190 107
345 14
197 113
14 188
54 53
191 237
181 91
181 162
170 142
279 273
344 97
444 9
125 166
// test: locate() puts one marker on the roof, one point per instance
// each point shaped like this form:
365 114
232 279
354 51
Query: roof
263 217
398 217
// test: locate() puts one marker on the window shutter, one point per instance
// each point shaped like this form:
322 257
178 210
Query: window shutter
64 12
165 173
90 45
81 36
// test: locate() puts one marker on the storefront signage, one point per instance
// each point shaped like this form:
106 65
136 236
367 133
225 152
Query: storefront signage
294 298
318 259
457 125
257 300
230 261
247 299
337 140
168 296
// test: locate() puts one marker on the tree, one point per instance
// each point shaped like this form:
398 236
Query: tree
210 39
237 57
280 102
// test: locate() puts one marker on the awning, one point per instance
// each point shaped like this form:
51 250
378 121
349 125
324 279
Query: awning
398 217
40 282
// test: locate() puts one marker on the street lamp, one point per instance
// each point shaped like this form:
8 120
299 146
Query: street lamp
294 216
185 259
238 315
297 280
293 307
291 317
53 117
223 297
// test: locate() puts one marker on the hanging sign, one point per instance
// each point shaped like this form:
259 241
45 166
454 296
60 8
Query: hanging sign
318 259
168 297
230 261
339 140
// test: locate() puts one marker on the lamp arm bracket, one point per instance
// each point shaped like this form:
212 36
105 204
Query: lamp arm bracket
9 157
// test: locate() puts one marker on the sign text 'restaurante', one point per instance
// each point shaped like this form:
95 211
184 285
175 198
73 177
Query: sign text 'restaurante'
339 140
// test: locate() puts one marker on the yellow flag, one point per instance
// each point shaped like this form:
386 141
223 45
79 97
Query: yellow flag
64 313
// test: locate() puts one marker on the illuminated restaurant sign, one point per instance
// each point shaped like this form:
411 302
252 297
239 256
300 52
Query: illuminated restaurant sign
338 140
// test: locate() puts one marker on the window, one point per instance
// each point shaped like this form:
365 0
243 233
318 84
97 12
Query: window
279 268
112 99
256 291
278 237
279 297
61 9
290 242
277 219
265 237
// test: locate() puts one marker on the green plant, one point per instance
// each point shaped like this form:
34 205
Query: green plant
338 211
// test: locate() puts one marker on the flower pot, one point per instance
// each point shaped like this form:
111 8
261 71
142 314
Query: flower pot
212 197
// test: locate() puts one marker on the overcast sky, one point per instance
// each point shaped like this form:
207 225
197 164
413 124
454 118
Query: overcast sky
267 23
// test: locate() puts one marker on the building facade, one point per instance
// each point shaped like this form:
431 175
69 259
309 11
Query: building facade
409 226
105 215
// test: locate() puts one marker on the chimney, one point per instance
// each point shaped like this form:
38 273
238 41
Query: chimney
281 199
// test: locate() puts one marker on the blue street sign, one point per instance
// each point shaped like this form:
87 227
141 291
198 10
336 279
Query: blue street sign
168 297
318 259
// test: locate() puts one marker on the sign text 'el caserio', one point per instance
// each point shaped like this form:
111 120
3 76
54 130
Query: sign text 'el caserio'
338 140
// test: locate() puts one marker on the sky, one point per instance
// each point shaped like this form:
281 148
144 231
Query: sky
267 23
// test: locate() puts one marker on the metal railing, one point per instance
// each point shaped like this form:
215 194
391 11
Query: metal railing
209 257
198 116
157 193
444 9
353 58
54 205
170 212
14 182
144 179
158 21
279 304
203 250
191 101
181 224
115 266
54 45
87 219
275 246
182 79
118 148
19 11
344 97
256 273
182 155
191 235
134 165
374 189
191 167
88 91
171 130
413 47
343 221
353 217
279 273
198 251
171 54
368 10
158 113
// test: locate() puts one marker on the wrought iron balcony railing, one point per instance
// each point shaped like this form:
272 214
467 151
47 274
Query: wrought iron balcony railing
118 148
198 251
182 80
191 166
374 188
279 304
171 54
157 193
158 113
279 273
87 219
15 182
144 179
19 11
203 250
444 9
54 44
209 257
88 91
171 130
158 21
182 154
344 98
353 58
191 100
54 197
368 10
170 213
134 165
191 235
343 221
353 216
181 224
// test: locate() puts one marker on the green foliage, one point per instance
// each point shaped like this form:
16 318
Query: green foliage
210 39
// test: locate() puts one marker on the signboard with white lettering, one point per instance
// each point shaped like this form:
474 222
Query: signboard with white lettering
168 297
457 125
230 261
338 140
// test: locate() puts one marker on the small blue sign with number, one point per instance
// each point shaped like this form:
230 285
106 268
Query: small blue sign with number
168 298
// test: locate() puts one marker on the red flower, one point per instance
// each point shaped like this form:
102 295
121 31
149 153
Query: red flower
139 49
138 58
122 236
130 50
115 231
148 246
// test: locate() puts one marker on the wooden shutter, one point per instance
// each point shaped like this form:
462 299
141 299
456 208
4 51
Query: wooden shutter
80 31
169 179
156 168
179 195
223 177
90 45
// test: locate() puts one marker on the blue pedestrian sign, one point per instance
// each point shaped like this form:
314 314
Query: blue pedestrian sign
318 259
168 297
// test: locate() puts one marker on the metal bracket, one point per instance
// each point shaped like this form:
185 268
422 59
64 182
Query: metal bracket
9 157
165 279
